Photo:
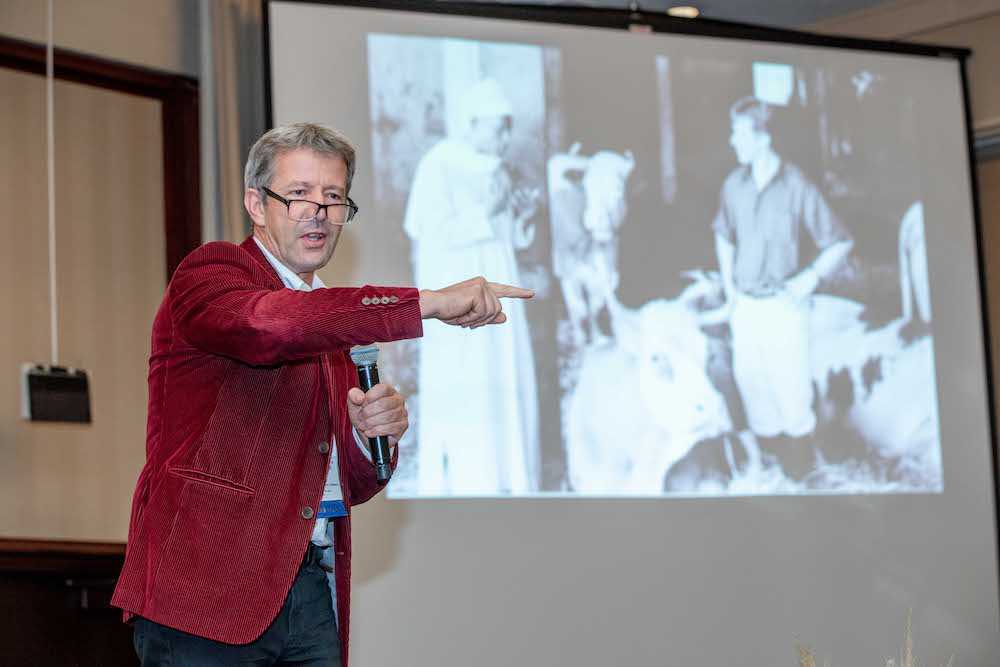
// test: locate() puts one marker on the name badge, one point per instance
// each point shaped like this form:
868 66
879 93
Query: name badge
332 504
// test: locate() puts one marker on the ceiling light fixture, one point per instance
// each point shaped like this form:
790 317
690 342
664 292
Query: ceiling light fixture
684 11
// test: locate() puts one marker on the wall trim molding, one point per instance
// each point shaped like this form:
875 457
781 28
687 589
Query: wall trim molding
987 143
61 557
178 95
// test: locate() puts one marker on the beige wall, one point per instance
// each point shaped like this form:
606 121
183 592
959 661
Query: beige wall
162 34
974 24
75 482
989 204
62 481
982 35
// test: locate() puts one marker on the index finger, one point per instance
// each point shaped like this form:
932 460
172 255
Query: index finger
511 292
380 390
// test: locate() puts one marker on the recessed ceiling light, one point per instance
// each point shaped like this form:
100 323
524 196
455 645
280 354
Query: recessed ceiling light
684 11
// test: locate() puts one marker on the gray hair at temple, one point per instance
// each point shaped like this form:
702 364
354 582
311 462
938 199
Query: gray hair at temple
259 169
757 111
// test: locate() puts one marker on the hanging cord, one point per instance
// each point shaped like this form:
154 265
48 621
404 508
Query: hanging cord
50 145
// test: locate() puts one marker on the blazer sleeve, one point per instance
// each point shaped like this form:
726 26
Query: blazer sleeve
219 306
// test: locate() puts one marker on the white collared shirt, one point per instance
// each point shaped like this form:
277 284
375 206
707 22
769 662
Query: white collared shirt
289 277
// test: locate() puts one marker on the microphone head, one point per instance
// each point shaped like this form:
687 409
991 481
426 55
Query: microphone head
364 355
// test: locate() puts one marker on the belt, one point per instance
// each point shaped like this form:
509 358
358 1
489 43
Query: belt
314 554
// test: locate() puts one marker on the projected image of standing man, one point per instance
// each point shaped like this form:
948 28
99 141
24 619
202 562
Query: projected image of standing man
776 239
465 214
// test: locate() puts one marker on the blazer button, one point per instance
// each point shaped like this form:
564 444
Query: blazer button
366 301
393 299
385 300
324 447
307 512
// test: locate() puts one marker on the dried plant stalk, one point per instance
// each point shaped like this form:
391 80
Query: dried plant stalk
806 658
906 659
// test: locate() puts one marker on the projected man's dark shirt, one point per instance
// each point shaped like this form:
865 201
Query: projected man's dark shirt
765 226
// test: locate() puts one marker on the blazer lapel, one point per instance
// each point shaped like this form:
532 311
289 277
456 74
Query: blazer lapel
251 247
329 374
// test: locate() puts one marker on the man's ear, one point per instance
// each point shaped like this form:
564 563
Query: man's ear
254 204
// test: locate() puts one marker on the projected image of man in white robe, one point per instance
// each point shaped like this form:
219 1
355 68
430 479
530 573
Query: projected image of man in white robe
464 216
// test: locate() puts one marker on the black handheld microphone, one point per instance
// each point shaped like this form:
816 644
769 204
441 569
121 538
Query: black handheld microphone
366 359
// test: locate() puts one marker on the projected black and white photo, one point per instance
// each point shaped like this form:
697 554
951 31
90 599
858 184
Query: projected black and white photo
795 355
738 310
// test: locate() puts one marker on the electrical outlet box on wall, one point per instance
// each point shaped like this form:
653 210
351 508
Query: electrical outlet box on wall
54 393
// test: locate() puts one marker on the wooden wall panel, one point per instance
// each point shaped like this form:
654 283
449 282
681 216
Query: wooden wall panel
74 482
162 34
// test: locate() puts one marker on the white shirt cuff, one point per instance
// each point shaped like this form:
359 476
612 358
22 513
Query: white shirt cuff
363 444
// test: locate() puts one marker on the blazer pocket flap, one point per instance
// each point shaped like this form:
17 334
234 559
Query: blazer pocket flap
208 478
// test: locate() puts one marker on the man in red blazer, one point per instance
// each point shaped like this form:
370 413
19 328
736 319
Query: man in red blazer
256 427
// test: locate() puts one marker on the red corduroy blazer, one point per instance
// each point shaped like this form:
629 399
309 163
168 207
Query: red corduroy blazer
246 379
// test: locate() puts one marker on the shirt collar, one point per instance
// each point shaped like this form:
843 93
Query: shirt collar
288 277
748 181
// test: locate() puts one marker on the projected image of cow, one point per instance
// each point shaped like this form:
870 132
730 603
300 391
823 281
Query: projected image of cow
459 165
796 355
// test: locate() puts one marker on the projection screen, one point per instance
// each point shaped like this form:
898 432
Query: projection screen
756 281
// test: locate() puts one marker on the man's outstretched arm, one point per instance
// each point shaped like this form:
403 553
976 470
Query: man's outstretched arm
219 308
471 303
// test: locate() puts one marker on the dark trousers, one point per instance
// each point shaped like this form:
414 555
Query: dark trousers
304 632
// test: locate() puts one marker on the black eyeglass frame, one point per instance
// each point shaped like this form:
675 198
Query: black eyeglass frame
352 208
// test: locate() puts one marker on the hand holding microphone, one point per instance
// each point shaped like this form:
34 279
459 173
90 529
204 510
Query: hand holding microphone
376 410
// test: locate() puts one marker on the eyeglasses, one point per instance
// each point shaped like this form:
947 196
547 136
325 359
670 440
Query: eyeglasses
303 210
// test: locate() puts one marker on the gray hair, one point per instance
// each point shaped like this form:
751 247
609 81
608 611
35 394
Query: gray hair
259 170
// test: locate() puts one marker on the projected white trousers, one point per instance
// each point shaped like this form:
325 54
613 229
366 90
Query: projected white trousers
771 364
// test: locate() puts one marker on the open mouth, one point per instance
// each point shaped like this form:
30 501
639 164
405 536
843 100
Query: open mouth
314 239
